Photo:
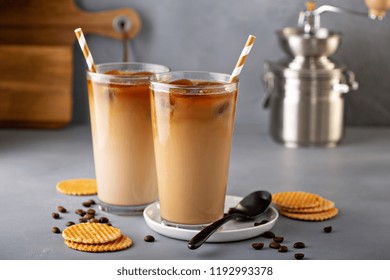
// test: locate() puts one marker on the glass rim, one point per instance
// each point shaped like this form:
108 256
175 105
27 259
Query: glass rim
154 80
123 77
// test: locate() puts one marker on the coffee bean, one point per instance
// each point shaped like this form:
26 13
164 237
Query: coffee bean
92 202
89 216
283 249
83 220
61 209
258 245
274 245
268 234
91 211
299 245
278 239
103 220
93 220
299 256
70 223
149 238
328 229
86 204
261 223
80 212
109 224
55 215
56 230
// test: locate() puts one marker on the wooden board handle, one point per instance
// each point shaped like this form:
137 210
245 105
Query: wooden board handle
109 23
42 22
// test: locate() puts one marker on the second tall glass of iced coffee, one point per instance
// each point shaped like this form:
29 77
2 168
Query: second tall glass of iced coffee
119 102
193 118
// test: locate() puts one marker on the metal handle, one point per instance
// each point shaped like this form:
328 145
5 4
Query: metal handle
354 85
269 85
347 84
310 20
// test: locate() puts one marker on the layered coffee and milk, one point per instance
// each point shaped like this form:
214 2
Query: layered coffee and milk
119 103
193 123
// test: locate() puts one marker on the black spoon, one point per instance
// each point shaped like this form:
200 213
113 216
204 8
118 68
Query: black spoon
250 207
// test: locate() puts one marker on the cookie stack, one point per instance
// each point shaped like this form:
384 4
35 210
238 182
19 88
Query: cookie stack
95 237
304 206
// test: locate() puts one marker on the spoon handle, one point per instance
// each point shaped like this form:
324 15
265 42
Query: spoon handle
205 233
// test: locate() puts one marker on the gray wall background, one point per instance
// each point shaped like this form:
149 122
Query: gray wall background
209 35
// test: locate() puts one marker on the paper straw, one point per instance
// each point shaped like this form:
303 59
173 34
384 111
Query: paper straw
310 6
85 49
242 58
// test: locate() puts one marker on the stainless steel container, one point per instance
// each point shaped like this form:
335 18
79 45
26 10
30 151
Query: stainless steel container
306 91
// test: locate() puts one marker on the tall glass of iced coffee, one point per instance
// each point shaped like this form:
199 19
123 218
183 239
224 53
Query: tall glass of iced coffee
119 103
193 118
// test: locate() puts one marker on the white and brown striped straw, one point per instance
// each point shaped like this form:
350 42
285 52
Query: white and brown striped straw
242 58
310 6
85 49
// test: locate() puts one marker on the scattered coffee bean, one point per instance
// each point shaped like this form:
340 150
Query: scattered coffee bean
109 224
258 245
92 202
89 216
83 220
149 238
283 249
86 204
91 211
56 230
103 220
268 234
274 245
299 245
55 215
261 223
80 212
299 256
328 229
93 220
278 239
61 209
70 223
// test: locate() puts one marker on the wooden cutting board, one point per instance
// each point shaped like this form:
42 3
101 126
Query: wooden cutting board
36 57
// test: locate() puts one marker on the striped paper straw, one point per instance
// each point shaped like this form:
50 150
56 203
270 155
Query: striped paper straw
310 6
242 58
85 49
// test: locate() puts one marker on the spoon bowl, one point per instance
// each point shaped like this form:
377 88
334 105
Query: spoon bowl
253 205
250 207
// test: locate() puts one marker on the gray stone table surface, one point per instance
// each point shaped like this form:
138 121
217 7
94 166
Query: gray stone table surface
355 175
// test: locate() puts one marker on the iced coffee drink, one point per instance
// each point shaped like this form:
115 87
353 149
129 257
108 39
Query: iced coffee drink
193 119
119 102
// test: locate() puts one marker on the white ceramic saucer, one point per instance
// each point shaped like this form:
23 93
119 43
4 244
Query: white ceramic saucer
231 231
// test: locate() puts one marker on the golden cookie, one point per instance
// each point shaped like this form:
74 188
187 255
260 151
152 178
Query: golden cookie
296 199
77 187
91 233
319 216
324 205
120 243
